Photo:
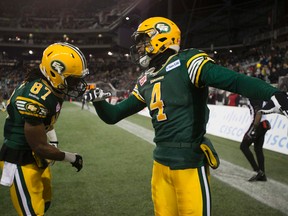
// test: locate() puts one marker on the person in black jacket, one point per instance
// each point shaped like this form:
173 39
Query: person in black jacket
256 135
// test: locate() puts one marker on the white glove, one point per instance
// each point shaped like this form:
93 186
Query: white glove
277 104
97 94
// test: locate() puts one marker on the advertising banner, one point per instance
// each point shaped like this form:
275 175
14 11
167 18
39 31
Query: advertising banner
232 123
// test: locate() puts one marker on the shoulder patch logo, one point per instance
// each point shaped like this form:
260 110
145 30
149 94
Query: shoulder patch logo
58 66
30 107
162 27
33 108
173 65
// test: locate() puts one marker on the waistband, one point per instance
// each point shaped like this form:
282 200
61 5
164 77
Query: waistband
175 144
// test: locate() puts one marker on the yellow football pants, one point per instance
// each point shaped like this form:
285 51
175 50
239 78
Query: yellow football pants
31 190
183 192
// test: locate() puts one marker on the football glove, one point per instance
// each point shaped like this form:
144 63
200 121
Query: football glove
277 104
78 163
97 94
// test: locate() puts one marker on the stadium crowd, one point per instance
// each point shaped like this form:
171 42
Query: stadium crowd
266 63
33 14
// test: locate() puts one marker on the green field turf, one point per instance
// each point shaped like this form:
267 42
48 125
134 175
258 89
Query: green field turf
115 179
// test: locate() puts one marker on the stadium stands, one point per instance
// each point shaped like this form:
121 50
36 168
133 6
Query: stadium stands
26 28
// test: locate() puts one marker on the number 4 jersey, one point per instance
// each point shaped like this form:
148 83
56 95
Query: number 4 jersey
176 96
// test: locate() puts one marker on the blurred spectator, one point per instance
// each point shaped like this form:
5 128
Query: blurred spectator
212 96
233 99
283 70
274 76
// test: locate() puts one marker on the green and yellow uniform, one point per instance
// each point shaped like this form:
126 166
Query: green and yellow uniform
33 102
176 96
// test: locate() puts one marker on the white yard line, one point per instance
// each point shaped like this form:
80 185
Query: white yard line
271 193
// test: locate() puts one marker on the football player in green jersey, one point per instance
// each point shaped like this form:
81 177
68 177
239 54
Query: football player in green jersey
174 86
32 111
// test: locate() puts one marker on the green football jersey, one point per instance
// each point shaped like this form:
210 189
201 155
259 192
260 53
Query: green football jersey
31 101
176 96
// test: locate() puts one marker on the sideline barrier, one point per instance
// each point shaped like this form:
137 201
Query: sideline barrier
232 122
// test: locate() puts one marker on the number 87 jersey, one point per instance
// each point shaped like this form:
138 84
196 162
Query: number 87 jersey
33 101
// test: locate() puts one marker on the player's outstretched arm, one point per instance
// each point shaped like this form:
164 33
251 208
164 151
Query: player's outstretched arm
113 113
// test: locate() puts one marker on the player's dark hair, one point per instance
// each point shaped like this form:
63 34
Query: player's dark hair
33 73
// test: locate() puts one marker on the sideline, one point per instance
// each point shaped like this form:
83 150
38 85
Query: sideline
270 193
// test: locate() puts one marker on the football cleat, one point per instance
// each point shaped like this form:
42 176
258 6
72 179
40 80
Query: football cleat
260 176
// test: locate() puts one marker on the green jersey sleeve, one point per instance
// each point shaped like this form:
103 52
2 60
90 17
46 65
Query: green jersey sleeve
195 60
223 78
111 114
203 71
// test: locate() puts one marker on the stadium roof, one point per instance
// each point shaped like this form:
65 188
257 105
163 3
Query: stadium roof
205 24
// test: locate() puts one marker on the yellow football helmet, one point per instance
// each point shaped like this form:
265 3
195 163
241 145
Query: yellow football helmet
65 67
157 34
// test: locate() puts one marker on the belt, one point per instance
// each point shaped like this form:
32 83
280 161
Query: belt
175 144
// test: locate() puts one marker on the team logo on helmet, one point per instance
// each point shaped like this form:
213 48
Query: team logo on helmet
162 27
58 66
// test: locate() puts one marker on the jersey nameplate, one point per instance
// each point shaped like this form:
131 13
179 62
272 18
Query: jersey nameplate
173 65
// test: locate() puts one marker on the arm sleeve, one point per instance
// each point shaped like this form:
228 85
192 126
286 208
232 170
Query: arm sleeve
51 135
223 78
111 114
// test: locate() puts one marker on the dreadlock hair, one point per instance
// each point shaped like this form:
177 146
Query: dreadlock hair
33 73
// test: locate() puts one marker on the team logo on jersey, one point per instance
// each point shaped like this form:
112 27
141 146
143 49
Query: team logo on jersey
58 66
143 80
173 65
33 108
162 27
30 107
